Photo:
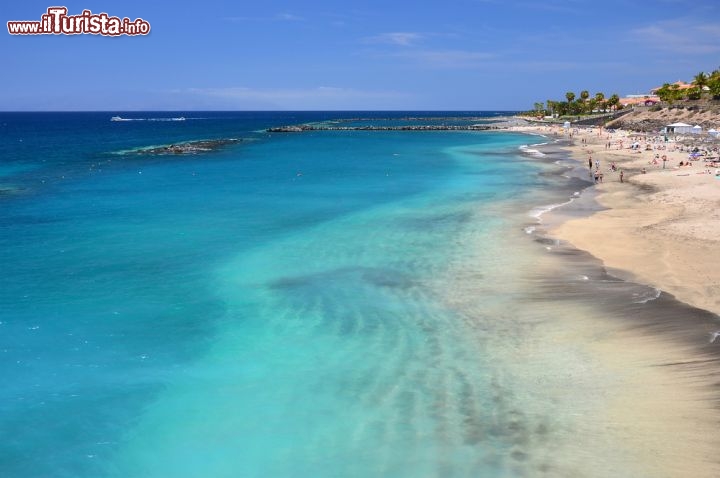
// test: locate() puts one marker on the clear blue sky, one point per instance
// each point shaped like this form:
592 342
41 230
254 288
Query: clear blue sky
370 54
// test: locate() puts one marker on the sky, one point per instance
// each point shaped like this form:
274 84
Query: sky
467 55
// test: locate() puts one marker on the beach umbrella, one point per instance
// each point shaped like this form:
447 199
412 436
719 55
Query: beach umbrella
697 129
566 124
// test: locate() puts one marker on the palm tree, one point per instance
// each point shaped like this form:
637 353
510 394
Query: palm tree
570 96
600 98
700 80
584 95
614 100
550 106
591 104
714 85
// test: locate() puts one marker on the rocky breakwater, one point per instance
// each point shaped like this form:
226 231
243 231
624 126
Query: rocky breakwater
189 147
307 127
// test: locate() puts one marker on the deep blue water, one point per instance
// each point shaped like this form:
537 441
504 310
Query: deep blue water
279 307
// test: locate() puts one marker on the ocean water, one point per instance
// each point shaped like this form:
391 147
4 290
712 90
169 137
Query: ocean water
325 304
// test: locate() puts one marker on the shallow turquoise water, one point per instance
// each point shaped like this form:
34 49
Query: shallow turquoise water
283 307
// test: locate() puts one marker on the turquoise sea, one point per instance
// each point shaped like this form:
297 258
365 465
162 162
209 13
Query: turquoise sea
319 304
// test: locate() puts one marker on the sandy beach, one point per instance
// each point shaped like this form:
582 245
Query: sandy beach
659 226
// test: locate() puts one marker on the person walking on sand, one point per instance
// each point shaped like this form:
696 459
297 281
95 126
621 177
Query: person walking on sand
622 175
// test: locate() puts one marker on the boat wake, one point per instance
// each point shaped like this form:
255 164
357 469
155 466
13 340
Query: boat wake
176 118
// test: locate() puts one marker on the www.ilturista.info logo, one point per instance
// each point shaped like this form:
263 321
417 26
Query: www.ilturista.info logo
57 22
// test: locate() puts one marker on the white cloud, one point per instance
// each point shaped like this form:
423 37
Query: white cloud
395 38
446 58
289 17
680 36
405 46
321 97
280 17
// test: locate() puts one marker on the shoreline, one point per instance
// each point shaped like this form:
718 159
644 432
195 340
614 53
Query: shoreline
643 231
661 227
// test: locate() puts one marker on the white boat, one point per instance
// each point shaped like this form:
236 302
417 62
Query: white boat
116 118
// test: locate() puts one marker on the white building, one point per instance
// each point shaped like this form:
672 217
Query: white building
678 128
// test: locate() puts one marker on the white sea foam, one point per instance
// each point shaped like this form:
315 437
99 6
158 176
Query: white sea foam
532 152
644 298
538 212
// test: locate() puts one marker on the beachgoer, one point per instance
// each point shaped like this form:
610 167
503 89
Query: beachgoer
622 175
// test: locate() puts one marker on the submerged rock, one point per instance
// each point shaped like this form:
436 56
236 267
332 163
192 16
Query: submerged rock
189 147
9 189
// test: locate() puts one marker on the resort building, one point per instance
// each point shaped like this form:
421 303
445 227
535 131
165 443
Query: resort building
681 85
639 100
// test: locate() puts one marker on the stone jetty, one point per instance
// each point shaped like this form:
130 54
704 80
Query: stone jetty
308 127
